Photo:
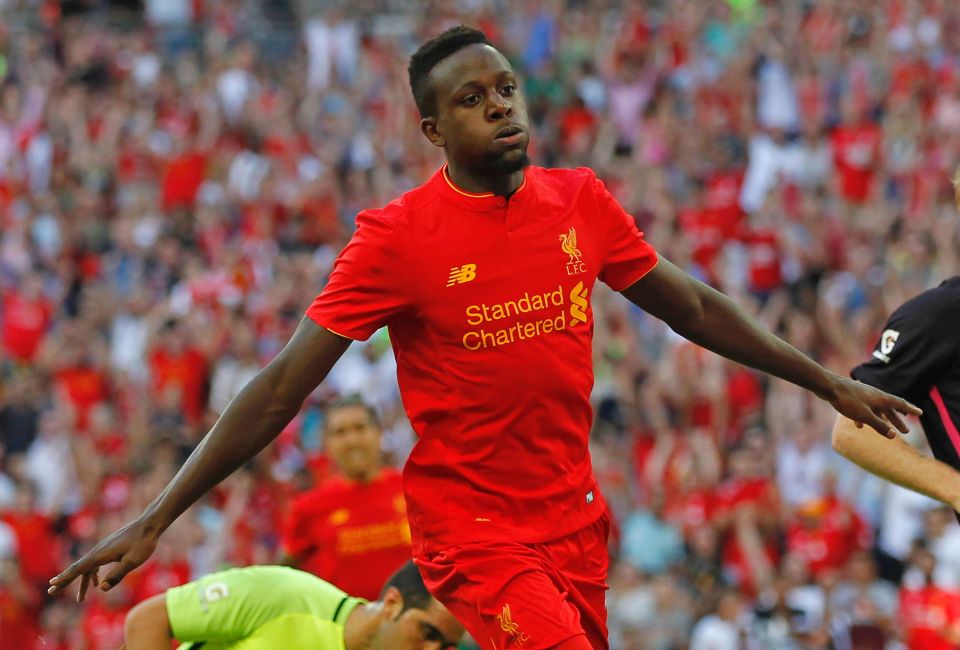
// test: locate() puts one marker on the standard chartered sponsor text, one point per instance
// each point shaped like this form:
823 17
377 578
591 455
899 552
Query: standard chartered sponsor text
492 336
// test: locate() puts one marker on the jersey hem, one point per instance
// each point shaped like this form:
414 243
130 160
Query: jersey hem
333 331
638 278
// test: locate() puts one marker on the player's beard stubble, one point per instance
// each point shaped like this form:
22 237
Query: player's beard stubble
497 164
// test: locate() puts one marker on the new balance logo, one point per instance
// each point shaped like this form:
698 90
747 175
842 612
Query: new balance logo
462 274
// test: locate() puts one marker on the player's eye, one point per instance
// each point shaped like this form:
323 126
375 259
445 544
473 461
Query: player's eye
470 100
508 90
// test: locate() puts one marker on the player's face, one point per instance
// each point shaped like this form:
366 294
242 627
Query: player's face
353 441
433 628
481 118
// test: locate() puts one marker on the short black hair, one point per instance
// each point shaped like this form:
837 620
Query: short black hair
408 581
354 400
433 52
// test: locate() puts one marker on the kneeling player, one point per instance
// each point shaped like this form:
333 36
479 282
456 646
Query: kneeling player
279 607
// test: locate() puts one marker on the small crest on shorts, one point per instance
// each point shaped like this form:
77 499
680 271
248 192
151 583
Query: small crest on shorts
505 618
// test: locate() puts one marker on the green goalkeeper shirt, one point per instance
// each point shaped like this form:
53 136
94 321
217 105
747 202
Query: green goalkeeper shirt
259 607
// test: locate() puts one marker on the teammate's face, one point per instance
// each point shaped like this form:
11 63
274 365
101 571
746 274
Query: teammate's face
433 628
481 118
353 441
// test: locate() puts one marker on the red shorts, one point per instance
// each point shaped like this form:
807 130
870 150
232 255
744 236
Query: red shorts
528 596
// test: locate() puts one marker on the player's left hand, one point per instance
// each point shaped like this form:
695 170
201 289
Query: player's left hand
870 406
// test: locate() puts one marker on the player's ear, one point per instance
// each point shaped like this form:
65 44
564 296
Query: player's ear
429 128
392 603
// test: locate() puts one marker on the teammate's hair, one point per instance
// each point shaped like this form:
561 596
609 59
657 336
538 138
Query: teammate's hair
353 400
408 582
433 52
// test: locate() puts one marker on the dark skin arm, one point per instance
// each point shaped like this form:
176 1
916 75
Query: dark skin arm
251 421
710 319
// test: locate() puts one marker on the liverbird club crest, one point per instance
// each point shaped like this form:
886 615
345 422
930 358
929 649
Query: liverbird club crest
568 243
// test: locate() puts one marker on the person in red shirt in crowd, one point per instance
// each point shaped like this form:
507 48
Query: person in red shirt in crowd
929 614
38 548
825 532
103 621
82 380
856 152
19 607
167 568
25 315
173 363
357 519
748 498
484 276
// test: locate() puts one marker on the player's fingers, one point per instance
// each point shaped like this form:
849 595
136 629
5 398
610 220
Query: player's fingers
84 583
118 574
881 426
891 416
72 572
904 406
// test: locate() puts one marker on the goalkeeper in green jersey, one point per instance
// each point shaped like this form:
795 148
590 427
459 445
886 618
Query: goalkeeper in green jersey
268 607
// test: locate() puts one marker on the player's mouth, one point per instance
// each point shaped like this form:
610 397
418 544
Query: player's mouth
509 135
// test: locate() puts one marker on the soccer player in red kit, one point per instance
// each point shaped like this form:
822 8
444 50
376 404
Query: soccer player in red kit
484 277
355 519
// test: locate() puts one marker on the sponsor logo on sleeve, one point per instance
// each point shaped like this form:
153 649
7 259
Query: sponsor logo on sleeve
887 340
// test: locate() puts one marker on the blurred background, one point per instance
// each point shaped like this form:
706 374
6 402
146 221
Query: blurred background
177 176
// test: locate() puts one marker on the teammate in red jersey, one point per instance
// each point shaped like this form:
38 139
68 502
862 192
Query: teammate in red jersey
484 276
356 519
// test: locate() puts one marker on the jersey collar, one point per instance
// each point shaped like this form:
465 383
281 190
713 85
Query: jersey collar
469 200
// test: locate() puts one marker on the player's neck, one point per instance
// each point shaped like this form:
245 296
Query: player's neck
360 627
468 181
365 477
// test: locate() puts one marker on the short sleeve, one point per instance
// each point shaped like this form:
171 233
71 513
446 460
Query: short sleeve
914 349
232 604
366 288
627 256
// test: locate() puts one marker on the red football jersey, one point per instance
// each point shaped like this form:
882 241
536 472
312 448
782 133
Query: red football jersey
354 535
488 305
926 614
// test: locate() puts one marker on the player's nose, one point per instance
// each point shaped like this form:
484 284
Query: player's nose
499 107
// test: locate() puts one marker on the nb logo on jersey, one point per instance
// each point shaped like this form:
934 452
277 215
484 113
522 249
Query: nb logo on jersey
578 304
462 274
568 244
887 340
505 618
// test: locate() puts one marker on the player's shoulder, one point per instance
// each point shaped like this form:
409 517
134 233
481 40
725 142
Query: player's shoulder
397 215
560 183
322 497
279 578
562 177
389 476
936 305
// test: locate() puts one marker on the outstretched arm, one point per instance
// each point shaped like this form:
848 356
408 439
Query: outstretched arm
252 420
898 462
709 318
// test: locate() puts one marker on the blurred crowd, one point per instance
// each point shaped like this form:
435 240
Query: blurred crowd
176 179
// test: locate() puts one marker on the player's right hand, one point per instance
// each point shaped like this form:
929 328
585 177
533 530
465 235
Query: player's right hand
129 547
